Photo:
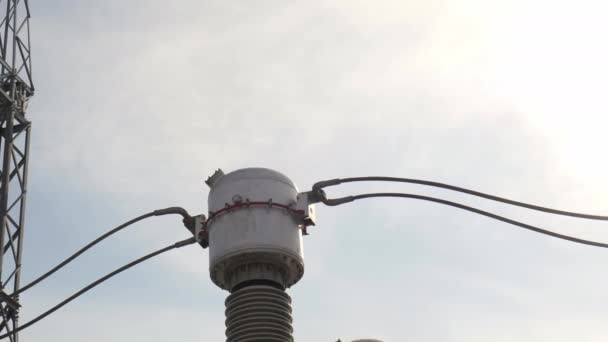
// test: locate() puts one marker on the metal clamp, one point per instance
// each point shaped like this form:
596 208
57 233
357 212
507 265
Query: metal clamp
200 230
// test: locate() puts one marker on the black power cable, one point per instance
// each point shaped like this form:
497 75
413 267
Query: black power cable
99 281
160 212
339 201
320 185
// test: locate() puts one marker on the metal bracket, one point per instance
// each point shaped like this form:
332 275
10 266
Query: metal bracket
199 230
213 179
197 226
304 204
10 301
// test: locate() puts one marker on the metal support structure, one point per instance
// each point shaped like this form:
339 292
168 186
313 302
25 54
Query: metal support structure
16 88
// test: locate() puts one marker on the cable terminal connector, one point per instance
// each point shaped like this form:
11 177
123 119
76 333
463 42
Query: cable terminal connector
304 204
323 184
200 230
197 225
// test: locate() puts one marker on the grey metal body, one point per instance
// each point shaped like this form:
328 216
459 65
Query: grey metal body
256 218
16 88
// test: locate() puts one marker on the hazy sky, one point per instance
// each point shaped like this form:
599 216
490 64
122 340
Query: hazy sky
139 101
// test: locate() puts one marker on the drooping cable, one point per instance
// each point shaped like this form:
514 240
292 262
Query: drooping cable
339 201
160 212
99 281
331 182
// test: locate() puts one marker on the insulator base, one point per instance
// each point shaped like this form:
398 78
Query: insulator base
259 313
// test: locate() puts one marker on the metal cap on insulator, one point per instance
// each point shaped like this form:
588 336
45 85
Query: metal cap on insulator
254 229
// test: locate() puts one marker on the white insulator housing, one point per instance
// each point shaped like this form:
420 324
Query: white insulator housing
254 242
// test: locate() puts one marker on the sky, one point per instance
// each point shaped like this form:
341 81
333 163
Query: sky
137 102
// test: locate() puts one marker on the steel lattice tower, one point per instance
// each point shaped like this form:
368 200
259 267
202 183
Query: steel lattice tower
16 88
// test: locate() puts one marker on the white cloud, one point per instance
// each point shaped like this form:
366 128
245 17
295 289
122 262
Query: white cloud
138 102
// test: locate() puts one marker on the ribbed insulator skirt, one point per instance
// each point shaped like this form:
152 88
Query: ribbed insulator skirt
258 313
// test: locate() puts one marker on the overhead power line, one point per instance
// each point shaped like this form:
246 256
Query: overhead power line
159 212
99 281
343 200
320 185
